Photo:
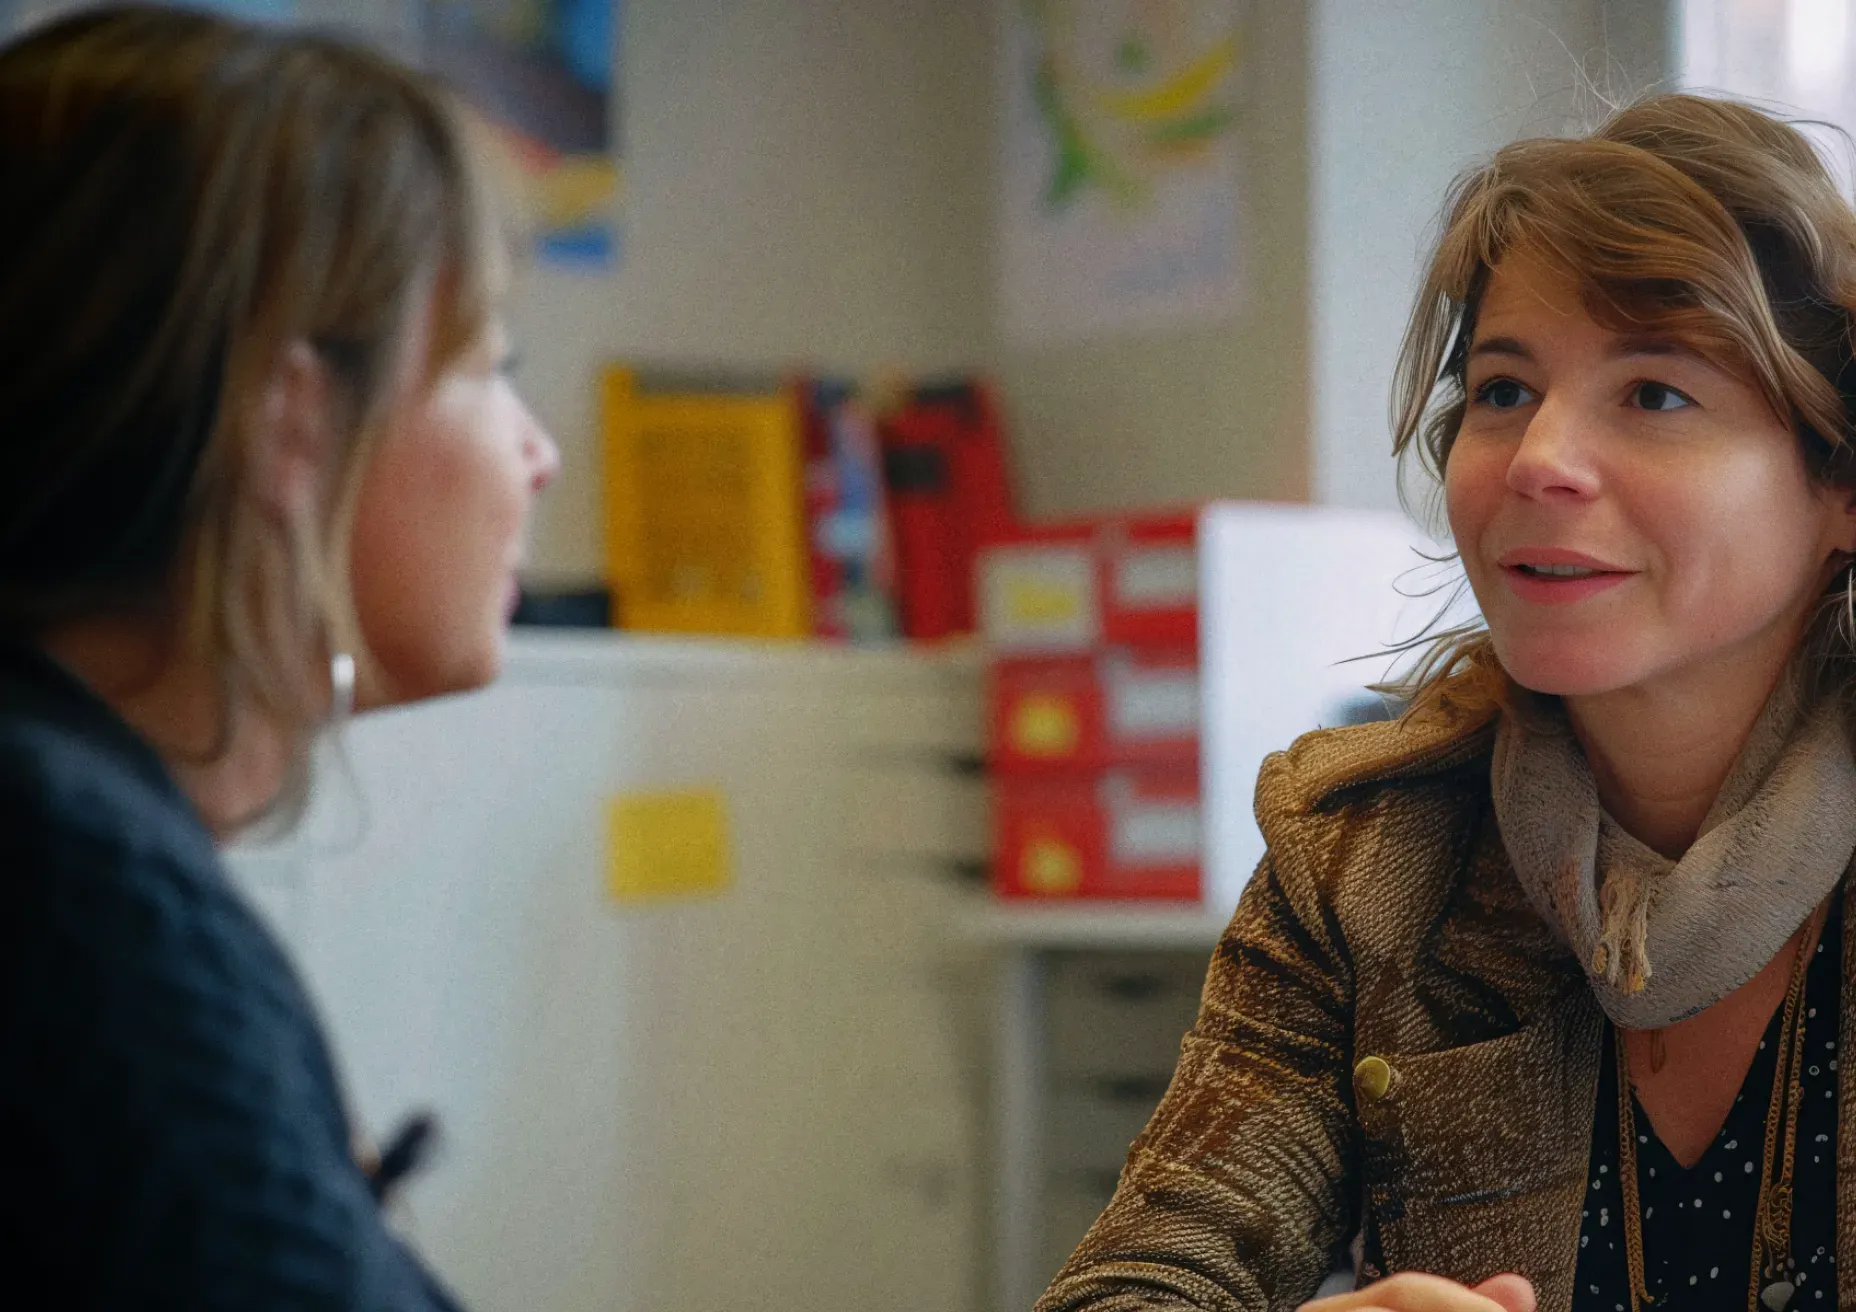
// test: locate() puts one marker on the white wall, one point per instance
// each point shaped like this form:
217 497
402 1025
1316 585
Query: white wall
1404 94
805 186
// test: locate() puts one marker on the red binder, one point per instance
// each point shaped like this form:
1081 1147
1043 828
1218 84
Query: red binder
944 460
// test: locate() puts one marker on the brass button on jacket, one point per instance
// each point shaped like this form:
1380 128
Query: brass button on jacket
1373 1077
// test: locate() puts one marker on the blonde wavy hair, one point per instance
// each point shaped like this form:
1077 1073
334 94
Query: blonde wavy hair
1695 217
182 198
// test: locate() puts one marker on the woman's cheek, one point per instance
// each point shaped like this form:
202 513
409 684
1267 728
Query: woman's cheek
474 466
1468 502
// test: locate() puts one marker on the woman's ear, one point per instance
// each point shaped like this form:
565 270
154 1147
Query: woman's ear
1846 520
293 433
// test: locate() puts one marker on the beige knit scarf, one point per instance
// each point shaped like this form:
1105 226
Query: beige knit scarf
1663 939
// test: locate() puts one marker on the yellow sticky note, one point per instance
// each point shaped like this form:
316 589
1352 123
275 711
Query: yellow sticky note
667 845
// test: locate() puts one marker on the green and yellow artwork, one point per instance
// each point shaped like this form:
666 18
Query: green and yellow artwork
1128 90
1121 170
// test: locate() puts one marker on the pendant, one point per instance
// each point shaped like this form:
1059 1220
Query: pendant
1777 1296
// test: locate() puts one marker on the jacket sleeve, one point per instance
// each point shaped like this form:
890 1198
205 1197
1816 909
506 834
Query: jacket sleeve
174 1138
1241 1187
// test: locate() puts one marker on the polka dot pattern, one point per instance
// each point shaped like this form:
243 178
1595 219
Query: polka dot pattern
1698 1221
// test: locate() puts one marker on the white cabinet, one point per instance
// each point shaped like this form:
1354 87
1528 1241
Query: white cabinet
1090 1008
759 1098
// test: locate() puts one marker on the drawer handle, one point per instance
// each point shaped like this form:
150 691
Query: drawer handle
1134 1088
1133 988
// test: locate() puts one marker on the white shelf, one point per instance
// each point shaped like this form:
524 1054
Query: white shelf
1098 926
556 656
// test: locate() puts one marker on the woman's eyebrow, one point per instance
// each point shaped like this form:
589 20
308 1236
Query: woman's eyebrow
1507 346
1652 344
1620 347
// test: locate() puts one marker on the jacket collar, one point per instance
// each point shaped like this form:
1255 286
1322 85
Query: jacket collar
1407 749
35 687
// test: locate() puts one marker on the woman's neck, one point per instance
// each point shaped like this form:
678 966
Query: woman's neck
1660 752
230 771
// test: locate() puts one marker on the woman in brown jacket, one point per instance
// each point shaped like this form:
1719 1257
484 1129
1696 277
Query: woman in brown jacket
1538 994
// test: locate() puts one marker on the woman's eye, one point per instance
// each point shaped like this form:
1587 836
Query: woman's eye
1659 396
1502 394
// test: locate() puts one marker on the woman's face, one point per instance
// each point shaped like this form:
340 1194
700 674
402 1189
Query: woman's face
1625 510
440 527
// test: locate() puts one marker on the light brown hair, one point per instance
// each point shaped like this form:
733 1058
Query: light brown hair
1695 217
182 198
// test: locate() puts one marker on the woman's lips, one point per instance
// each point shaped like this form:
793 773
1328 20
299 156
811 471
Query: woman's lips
1558 556
1545 591
1558 576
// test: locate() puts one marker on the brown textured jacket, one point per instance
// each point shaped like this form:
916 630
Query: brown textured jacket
1385 922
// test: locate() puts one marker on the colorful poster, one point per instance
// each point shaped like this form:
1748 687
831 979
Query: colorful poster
16 15
542 70
1121 198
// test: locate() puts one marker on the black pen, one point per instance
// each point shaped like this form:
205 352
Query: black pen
409 1149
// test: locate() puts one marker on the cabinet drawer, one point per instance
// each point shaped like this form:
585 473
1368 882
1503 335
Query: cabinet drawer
1092 1126
1121 1015
948 720
917 810
1070 1208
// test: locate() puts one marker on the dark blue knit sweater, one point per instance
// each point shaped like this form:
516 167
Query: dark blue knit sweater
171 1133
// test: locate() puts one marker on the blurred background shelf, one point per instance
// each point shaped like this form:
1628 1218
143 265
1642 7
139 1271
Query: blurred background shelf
564 654
1141 925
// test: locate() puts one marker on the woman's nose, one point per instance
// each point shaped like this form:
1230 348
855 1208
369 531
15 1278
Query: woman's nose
1553 460
544 457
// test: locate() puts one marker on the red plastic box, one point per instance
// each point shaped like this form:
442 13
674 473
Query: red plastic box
1084 584
1129 833
1086 713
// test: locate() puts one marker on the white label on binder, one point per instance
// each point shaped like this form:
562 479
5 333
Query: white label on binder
1155 834
1038 598
1152 704
1154 577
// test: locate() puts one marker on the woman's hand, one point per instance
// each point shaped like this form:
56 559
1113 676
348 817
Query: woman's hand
1410 1292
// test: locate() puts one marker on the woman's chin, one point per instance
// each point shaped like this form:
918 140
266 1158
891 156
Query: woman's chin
409 677
490 667
479 667
1560 669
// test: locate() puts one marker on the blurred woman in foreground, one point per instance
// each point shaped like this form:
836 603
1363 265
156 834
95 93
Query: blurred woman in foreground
263 465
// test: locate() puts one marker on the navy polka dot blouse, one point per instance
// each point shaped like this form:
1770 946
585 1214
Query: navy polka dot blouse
1698 1221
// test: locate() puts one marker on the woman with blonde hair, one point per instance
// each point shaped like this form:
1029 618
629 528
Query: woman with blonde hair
1539 993
264 465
